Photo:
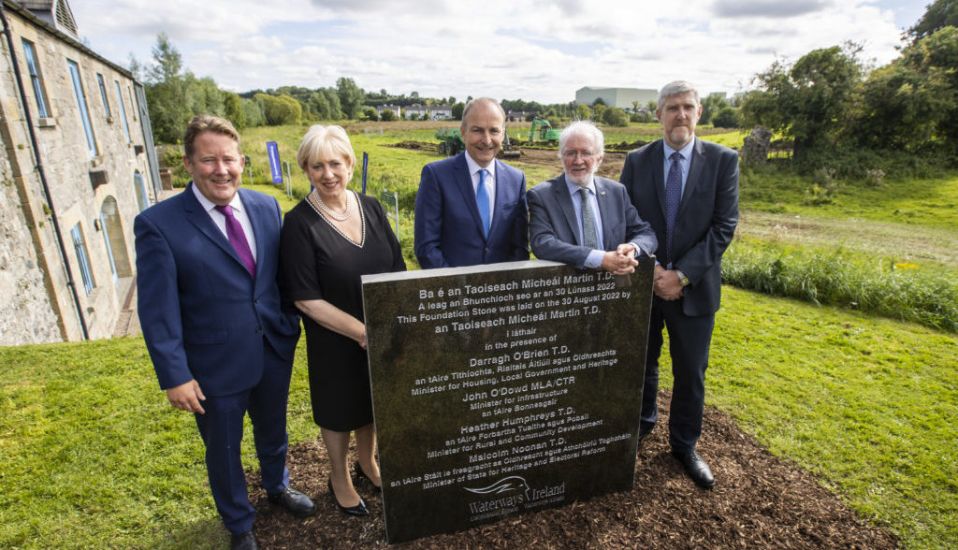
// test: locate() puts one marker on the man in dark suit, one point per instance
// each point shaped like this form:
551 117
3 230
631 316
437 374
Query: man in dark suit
221 342
688 190
582 219
471 208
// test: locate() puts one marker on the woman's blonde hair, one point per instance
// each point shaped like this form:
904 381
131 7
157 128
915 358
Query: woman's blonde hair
325 142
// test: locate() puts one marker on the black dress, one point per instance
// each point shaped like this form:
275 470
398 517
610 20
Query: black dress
318 262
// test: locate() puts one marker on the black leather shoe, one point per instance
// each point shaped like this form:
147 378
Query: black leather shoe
359 510
696 468
361 476
294 502
243 541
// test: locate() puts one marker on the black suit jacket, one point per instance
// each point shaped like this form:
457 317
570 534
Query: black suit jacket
706 220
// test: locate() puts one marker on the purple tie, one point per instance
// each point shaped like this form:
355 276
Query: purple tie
238 239
673 196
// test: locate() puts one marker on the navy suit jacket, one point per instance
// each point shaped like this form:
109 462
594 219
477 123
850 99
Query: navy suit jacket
448 227
555 234
706 220
203 316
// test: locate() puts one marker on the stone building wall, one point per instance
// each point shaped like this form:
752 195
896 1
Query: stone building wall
103 212
28 315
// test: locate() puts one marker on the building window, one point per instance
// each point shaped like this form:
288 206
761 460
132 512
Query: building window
139 187
106 102
132 102
119 99
33 67
82 105
79 245
109 246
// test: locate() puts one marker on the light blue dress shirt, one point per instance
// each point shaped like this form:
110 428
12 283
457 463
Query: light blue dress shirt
685 163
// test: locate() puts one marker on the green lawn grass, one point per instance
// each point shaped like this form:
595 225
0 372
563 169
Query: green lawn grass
867 405
930 202
91 454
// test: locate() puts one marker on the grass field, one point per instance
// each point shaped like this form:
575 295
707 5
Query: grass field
91 455
899 222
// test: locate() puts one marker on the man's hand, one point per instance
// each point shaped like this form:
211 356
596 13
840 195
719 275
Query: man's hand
187 397
617 263
627 249
666 284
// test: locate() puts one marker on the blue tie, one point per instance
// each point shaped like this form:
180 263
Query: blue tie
673 196
482 201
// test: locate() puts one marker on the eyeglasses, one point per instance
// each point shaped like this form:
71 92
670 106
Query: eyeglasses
572 154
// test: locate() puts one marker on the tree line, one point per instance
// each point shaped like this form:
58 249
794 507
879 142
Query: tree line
175 94
837 112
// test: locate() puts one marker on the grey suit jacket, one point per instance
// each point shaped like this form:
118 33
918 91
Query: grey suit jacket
555 234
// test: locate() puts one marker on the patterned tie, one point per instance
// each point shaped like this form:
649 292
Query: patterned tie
238 239
589 237
482 201
673 196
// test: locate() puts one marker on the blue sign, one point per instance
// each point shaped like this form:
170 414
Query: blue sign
365 169
275 169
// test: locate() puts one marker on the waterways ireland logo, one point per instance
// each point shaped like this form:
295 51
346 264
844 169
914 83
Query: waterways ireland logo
511 493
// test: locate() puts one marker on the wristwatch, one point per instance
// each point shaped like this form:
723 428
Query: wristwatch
683 280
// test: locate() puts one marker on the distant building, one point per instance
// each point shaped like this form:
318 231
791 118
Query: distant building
519 116
434 112
77 163
396 109
622 98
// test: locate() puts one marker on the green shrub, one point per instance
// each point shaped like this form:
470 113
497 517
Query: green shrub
882 286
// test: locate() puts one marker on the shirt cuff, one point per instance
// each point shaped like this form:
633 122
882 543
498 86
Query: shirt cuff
594 259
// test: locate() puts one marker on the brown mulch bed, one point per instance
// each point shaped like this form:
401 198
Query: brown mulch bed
759 501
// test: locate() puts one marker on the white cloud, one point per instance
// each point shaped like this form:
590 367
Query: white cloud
541 50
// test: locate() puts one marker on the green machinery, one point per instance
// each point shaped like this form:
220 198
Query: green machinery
542 131
450 141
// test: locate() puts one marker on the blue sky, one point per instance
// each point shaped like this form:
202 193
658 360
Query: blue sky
539 50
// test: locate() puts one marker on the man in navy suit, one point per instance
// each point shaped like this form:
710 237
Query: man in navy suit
221 342
471 208
688 190
586 220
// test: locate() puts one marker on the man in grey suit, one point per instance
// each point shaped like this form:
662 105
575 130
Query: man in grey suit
688 190
582 219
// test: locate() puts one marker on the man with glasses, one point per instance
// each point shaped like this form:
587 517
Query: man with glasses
582 219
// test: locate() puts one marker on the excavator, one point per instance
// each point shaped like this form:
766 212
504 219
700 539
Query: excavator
541 131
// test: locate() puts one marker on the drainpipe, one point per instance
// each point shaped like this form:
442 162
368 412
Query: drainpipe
35 147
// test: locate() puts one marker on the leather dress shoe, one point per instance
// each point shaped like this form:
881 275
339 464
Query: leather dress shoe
243 541
696 468
361 476
359 510
644 434
294 502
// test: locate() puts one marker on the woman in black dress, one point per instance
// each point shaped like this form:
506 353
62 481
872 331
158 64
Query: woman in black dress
329 240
